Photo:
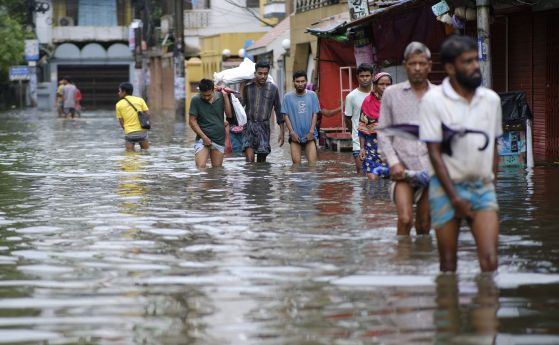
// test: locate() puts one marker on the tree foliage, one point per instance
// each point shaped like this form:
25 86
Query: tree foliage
13 35
11 50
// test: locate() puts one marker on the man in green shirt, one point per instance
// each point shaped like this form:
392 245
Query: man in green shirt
207 121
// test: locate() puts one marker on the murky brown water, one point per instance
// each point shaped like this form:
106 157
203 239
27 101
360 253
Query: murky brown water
102 247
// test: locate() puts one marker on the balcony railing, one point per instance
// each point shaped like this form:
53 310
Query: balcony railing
308 5
89 33
196 19
274 9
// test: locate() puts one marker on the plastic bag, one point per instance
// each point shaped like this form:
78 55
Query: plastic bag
239 110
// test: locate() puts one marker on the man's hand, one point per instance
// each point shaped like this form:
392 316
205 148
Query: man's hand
462 209
281 139
207 141
362 154
397 172
294 137
310 136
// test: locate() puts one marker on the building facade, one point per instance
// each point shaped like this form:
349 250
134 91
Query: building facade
86 40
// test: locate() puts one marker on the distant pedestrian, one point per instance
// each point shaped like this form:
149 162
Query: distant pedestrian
462 183
373 165
353 103
69 91
207 111
400 104
60 98
260 97
79 98
300 109
127 114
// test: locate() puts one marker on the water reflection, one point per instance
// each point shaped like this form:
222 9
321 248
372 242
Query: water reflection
98 246
466 316
131 187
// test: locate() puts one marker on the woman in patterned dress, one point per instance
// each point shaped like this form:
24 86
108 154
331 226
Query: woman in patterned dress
373 165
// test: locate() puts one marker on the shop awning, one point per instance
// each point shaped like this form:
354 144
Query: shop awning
394 8
330 26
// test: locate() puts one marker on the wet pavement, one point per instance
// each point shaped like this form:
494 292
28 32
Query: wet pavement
102 247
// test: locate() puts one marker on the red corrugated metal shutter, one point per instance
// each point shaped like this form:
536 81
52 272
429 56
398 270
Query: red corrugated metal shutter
499 52
521 71
538 87
551 85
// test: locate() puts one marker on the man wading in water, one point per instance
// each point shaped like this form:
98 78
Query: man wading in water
400 105
259 98
462 184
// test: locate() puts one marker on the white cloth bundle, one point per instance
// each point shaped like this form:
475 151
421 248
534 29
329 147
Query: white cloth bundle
245 71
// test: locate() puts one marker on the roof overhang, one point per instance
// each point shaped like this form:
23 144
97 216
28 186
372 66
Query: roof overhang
329 26
393 9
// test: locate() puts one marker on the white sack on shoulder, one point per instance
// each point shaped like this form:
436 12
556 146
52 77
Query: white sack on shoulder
245 71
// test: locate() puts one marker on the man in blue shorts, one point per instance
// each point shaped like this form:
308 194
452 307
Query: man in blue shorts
207 120
300 109
462 183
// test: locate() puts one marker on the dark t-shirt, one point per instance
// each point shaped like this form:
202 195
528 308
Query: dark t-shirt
210 117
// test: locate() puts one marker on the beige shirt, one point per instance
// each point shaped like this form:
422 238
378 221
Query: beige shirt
442 105
400 105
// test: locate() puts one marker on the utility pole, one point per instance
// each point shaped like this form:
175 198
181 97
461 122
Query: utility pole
484 42
179 57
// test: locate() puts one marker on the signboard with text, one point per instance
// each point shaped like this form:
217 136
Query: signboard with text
19 73
358 9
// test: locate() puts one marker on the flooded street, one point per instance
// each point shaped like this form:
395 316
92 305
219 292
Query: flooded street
102 247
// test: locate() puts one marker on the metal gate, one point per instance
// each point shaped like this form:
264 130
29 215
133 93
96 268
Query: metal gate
97 83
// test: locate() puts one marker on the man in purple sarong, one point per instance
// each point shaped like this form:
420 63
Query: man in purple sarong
260 97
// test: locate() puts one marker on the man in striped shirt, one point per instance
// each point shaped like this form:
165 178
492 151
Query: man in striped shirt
259 98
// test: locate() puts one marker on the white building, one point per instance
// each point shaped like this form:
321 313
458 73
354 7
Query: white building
86 40
212 17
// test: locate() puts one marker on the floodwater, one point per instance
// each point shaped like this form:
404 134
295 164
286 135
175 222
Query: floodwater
102 247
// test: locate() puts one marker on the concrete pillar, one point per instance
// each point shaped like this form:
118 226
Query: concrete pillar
484 43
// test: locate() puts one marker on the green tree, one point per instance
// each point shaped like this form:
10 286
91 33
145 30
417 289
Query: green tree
11 49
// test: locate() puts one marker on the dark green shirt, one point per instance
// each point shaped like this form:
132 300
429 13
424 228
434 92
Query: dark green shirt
210 117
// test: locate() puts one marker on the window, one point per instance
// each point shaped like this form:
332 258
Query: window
253 3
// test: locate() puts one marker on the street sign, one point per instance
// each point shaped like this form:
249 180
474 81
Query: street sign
20 73
440 8
31 50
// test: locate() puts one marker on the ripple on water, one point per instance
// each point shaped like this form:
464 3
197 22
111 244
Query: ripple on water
21 335
39 230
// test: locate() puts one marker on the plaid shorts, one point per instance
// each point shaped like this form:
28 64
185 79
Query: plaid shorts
480 194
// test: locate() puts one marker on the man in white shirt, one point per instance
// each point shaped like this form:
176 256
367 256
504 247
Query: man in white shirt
353 102
462 180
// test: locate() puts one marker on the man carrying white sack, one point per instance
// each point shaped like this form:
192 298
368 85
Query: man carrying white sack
260 97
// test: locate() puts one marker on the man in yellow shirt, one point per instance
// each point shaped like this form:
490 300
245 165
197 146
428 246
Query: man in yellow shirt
60 98
128 117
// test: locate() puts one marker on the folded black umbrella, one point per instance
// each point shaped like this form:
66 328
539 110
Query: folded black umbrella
411 131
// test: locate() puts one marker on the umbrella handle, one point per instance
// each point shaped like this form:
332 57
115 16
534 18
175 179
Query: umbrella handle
485 136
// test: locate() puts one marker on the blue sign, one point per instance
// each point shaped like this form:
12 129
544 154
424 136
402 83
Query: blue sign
31 50
440 8
20 73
